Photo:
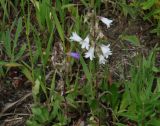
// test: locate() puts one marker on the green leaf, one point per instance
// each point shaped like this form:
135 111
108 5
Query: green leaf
158 84
130 116
40 114
156 69
114 97
3 5
148 4
85 69
128 10
2 63
27 73
48 48
152 13
124 103
154 122
19 29
32 123
21 52
35 3
10 64
58 25
67 6
36 87
12 26
94 104
85 3
131 38
7 43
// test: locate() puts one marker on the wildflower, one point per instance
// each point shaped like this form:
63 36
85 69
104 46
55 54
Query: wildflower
75 37
106 50
106 21
85 43
102 59
90 53
74 55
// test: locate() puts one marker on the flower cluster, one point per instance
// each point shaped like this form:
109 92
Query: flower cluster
102 51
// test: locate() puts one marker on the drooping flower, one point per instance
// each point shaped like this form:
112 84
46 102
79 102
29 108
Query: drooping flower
106 21
75 37
90 53
85 43
102 59
74 55
106 50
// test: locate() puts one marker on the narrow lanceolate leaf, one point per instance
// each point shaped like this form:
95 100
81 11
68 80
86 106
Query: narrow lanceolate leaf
18 31
7 43
21 52
85 69
151 13
36 87
84 3
131 38
48 49
148 4
58 25
28 74
10 64
67 6
2 63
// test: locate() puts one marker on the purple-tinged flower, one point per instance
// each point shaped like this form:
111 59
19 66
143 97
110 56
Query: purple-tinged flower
74 55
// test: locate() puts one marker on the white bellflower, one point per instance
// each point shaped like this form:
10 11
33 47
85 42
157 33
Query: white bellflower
75 37
106 50
102 59
90 53
106 21
84 43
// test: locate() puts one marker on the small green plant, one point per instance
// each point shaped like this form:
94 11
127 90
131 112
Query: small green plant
11 45
140 100
148 10
40 116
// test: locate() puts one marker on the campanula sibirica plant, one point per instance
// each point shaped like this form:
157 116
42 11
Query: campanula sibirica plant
92 47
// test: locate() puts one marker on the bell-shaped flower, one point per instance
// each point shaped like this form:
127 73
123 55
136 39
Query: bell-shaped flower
102 59
106 21
90 53
106 50
85 43
75 37
74 55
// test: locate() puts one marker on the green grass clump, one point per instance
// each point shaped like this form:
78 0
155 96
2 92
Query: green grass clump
147 10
